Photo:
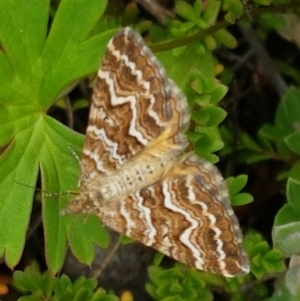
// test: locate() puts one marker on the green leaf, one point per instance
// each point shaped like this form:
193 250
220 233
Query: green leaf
207 144
275 21
158 258
193 136
216 115
223 37
273 266
241 199
235 7
292 279
83 234
37 69
286 230
171 273
294 173
260 248
293 193
22 40
200 116
176 67
230 18
30 280
210 42
89 284
80 104
55 163
189 293
197 85
62 286
151 290
100 294
211 11
274 255
47 285
198 7
218 94
184 10
82 289
249 143
235 185
293 142
252 157
210 85
176 288
126 240
186 27
288 112
131 13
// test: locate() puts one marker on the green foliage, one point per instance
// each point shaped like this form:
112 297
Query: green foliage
275 21
235 10
288 286
187 284
284 132
176 284
233 288
78 227
281 142
195 18
286 231
204 93
263 259
38 65
292 278
38 287
276 142
235 185
35 69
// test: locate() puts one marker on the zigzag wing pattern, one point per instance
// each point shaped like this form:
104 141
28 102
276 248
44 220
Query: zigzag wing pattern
134 176
185 215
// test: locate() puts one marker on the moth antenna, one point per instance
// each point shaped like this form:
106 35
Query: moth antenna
74 154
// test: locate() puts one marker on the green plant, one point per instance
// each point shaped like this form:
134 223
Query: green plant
36 286
38 67
35 69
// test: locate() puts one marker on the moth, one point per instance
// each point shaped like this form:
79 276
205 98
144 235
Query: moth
135 174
